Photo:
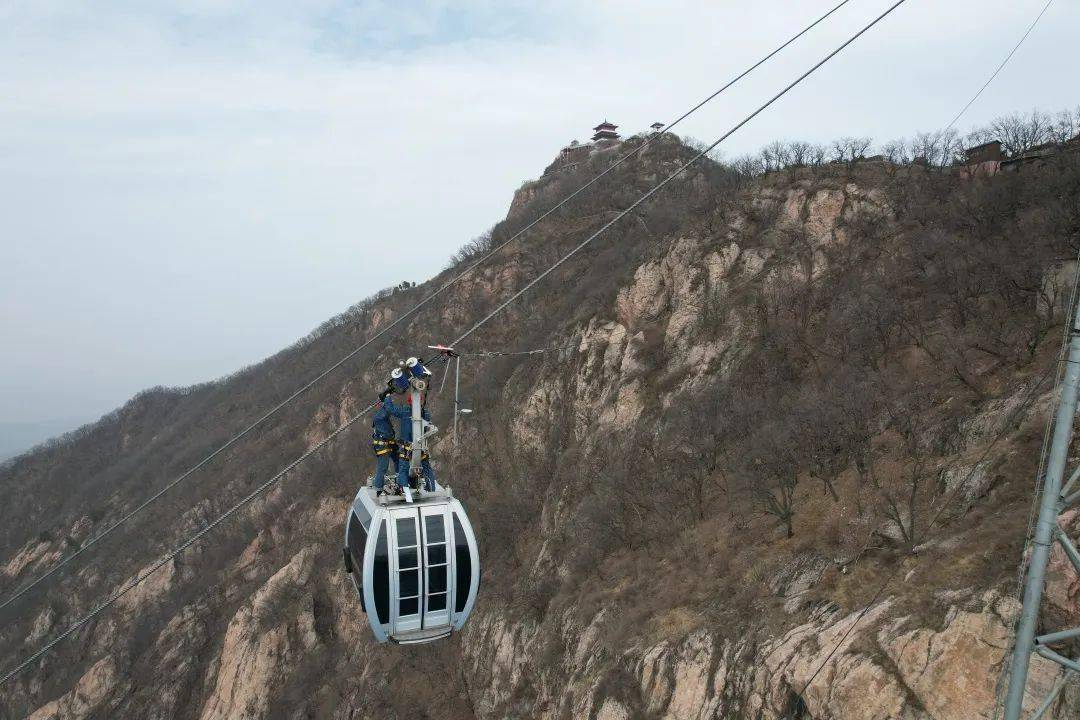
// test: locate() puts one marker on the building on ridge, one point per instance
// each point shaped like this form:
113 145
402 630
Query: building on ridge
574 152
605 132
987 152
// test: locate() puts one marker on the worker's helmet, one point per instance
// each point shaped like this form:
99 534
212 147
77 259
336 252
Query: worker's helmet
398 379
417 368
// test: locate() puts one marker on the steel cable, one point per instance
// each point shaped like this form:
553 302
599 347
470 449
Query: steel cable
408 314
350 421
999 67
1057 365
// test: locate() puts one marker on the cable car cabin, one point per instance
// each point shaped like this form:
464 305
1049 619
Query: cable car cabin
415 565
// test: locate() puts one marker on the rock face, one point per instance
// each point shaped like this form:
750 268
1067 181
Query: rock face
83 700
694 605
255 658
835 666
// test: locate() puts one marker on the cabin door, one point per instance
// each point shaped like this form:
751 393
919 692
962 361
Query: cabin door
405 599
438 572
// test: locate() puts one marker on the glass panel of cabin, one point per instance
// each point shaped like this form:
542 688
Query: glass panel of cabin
407 570
462 566
381 575
357 544
437 570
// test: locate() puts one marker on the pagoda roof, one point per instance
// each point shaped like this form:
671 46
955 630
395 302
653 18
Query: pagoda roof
606 126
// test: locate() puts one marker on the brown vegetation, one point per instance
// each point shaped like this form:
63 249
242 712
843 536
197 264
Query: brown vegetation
854 368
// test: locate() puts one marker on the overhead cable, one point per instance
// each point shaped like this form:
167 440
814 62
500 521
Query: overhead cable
891 576
502 353
345 425
66 560
1000 67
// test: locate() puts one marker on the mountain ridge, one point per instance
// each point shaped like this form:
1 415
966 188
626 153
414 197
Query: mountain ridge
732 382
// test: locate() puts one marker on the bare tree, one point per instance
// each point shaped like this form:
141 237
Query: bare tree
850 149
799 153
749 166
1064 126
775 156
1019 133
897 152
978 136
938 148
906 489
778 500
771 464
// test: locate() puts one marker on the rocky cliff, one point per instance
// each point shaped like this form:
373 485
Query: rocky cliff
759 399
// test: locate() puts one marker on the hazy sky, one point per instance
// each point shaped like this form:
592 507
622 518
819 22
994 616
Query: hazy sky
187 187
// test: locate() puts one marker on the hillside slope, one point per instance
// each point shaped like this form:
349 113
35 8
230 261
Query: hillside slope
758 395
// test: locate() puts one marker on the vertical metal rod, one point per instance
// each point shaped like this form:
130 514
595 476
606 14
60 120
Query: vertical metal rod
1056 637
418 442
1070 550
1044 529
1058 658
457 401
1058 686
1072 481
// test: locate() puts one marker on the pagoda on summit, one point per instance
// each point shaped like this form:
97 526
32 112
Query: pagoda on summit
605 131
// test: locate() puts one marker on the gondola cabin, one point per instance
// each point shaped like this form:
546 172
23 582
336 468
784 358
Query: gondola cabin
415 565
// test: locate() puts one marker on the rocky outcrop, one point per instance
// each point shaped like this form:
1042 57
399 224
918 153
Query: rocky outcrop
84 700
262 645
856 666
263 623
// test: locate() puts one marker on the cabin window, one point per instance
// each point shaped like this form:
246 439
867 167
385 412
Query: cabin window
381 576
462 566
363 514
357 543
435 542
408 567
437 602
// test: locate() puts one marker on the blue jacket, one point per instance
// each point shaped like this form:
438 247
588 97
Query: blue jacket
404 413
380 422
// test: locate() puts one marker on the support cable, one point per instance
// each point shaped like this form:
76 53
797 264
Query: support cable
138 579
678 171
408 314
999 67
501 353
349 422
1059 365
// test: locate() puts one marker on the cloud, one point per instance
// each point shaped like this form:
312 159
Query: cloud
189 186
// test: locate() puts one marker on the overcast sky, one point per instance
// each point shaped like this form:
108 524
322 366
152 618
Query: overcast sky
187 187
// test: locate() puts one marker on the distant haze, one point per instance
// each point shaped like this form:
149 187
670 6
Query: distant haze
187 187
15 437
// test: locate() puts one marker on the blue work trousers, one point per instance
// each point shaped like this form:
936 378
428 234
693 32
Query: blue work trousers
429 474
382 464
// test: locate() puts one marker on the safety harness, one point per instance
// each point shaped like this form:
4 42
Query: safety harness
382 446
405 452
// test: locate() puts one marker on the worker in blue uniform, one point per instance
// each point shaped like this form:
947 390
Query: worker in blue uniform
399 381
383 441
404 413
